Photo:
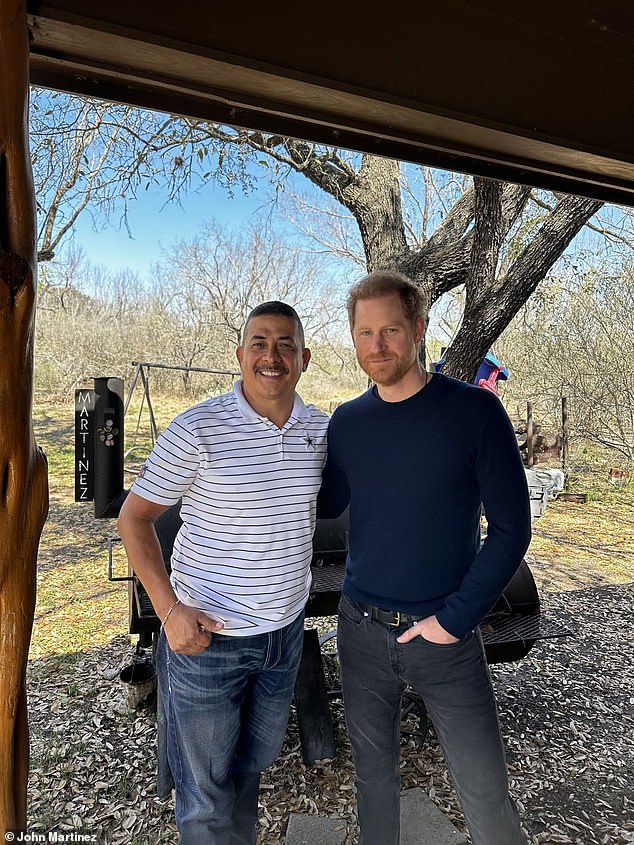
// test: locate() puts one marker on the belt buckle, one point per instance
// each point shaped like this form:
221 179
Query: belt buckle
397 615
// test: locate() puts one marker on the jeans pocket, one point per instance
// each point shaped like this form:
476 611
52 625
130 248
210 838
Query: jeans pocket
444 646
350 611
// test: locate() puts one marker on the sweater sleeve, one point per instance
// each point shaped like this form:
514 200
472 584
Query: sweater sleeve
504 493
334 494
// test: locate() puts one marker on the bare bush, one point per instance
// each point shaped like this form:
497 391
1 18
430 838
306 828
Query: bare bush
575 338
93 322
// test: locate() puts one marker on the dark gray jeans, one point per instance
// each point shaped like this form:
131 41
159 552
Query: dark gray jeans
454 682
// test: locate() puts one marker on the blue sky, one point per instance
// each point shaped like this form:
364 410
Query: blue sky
154 224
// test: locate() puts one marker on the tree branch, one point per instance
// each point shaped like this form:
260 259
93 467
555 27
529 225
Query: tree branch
485 319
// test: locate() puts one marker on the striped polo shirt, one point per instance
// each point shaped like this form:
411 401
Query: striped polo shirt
248 492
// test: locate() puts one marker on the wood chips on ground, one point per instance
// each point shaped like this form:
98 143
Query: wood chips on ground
566 710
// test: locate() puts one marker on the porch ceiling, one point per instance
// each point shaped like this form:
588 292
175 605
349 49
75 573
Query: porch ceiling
539 93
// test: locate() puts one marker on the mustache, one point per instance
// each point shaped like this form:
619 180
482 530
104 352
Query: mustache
274 369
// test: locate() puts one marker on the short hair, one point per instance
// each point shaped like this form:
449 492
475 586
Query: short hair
384 283
276 309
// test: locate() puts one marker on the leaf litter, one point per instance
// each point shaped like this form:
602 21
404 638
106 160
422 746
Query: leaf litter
566 710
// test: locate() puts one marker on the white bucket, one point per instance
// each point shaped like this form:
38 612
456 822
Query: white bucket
538 493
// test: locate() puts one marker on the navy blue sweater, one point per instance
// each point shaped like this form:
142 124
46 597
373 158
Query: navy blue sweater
415 473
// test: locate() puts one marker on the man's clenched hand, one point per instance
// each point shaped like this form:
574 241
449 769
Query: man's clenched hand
188 629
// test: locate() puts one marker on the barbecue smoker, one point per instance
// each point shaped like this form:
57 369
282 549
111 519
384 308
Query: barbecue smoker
509 631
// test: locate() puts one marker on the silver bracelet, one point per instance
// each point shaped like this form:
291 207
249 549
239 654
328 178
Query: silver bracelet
167 615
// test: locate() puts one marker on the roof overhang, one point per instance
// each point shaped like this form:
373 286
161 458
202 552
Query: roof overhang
538 93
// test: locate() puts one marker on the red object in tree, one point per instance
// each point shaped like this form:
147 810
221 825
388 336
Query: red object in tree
489 383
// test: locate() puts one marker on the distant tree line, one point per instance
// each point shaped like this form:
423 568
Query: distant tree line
574 338
190 313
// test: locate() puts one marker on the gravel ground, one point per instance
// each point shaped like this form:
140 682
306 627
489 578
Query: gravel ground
567 714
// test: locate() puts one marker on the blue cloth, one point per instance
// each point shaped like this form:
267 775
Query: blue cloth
415 474
487 366
454 682
226 710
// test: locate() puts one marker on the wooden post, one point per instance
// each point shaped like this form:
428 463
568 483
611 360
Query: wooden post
564 437
23 477
314 721
530 435
146 390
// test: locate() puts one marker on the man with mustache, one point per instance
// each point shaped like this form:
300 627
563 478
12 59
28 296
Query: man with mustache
247 466
414 457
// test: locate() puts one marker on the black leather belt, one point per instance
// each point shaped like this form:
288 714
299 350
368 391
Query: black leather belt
391 617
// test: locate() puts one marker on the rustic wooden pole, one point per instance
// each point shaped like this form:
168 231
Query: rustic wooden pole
23 477
530 435
564 437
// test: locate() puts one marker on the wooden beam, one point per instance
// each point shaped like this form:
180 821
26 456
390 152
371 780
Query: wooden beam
536 94
23 477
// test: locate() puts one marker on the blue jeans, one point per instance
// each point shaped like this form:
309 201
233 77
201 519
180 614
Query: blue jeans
226 712
454 682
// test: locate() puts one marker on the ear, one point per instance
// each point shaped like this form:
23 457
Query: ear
305 359
240 354
419 329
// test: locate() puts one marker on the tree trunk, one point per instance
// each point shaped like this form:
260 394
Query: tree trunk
23 481
375 201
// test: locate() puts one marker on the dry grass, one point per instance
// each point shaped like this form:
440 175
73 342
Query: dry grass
585 545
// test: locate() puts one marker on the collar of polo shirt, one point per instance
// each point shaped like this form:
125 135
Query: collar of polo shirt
299 412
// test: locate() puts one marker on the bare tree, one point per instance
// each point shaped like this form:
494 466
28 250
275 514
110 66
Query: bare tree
224 275
93 320
497 240
466 248
93 156
76 144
